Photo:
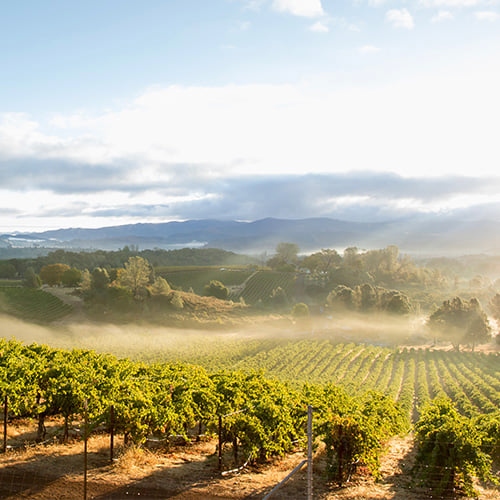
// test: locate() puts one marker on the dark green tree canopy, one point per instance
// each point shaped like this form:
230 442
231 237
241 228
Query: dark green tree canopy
461 321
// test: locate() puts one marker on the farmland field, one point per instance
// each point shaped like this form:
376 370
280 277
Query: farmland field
411 376
32 305
262 283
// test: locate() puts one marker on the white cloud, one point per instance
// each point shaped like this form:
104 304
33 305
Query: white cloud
376 3
442 15
453 3
400 18
303 8
319 27
487 15
369 49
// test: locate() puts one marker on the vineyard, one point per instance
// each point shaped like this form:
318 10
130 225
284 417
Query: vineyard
352 388
413 377
32 304
261 285
196 277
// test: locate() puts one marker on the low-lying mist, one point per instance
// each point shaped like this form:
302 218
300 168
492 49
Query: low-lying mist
158 343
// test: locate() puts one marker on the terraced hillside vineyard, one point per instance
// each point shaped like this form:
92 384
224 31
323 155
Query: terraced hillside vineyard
32 304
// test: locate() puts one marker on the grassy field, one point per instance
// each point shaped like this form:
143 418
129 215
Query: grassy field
32 305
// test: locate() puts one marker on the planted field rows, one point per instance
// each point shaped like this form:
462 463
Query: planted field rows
197 277
412 377
262 283
32 305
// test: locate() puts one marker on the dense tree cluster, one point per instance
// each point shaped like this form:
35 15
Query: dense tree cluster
461 322
367 298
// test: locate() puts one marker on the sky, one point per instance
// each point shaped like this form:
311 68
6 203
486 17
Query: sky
116 112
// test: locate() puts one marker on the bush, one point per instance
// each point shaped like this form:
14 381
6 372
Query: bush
449 450
300 310
216 289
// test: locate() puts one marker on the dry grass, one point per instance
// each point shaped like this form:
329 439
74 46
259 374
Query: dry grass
185 472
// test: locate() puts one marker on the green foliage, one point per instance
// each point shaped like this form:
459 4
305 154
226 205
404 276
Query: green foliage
461 321
7 270
278 299
52 274
354 433
367 298
71 277
135 276
216 289
449 452
31 280
300 310
99 280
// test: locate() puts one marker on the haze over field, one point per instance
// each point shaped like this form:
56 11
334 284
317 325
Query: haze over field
120 112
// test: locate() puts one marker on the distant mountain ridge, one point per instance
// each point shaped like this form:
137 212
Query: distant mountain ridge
419 234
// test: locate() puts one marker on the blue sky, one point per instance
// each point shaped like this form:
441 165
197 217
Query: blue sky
123 111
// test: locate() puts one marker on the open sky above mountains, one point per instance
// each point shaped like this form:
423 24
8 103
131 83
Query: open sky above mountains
123 111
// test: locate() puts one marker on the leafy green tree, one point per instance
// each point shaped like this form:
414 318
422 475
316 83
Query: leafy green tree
288 252
7 270
461 321
322 262
135 276
278 299
99 280
343 298
216 289
71 277
395 302
31 279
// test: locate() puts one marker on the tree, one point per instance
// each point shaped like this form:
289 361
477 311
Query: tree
288 252
135 276
300 310
7 270
52 273
322 262
216 289
31 279
461 321
99 279
71 277
278 298
494 306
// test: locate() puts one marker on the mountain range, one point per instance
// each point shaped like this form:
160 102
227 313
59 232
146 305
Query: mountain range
422 234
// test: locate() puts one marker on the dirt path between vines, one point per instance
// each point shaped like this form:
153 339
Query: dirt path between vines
55 471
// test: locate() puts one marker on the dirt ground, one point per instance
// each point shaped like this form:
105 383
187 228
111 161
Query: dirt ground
56 471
